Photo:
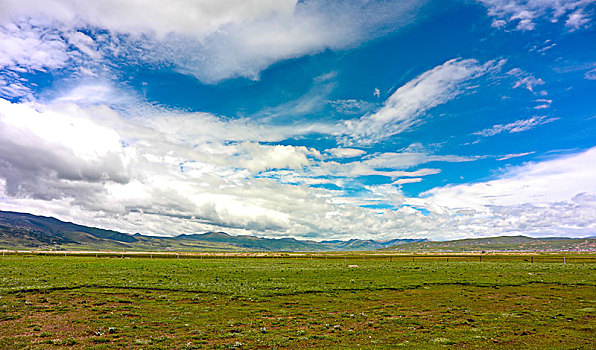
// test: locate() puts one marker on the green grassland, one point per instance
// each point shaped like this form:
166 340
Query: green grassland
294 301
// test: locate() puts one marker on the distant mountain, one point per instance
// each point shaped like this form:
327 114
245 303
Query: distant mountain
51 230
503 243
291 244
27 231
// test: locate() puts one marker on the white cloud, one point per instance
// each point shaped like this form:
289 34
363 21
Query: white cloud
95 166
514 155
407 181
256 157
209 40
341 152
543 103
553 197
524 14
591 75
577 20
314 100
12 86
528 82
130 174
362 168
516 126
405 160
407 105
536 184
23 47
525 79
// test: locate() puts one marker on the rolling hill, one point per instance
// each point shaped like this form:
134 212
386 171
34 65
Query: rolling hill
504 243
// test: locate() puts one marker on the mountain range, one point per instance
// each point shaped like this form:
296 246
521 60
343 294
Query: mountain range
27 231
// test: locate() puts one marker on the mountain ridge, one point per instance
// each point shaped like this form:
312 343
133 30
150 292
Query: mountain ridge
34 231
26 231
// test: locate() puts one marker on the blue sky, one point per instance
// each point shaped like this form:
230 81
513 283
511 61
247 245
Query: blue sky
310 119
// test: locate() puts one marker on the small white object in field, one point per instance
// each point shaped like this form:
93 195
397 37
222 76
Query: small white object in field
352 265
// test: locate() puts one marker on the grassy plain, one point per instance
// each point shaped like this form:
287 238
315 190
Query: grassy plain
141 303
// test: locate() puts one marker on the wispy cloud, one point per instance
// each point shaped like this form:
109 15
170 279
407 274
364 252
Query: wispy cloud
525 79
591 74
353 107
407 105
515 155
405 160
516 126
406 181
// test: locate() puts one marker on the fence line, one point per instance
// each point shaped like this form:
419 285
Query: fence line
567 257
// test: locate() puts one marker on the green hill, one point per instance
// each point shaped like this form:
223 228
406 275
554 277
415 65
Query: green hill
503 243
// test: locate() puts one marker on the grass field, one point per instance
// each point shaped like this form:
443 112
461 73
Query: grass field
162 303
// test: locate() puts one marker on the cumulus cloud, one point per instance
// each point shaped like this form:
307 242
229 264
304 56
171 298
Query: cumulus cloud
408 104
524 14
161 175
211 41
135 174
516 126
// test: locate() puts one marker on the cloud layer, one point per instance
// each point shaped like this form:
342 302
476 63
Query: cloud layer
124 173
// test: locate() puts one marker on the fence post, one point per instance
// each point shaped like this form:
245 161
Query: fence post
564 262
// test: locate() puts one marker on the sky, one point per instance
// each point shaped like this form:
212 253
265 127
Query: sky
308 119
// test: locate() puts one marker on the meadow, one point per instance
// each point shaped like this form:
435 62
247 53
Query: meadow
292 301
